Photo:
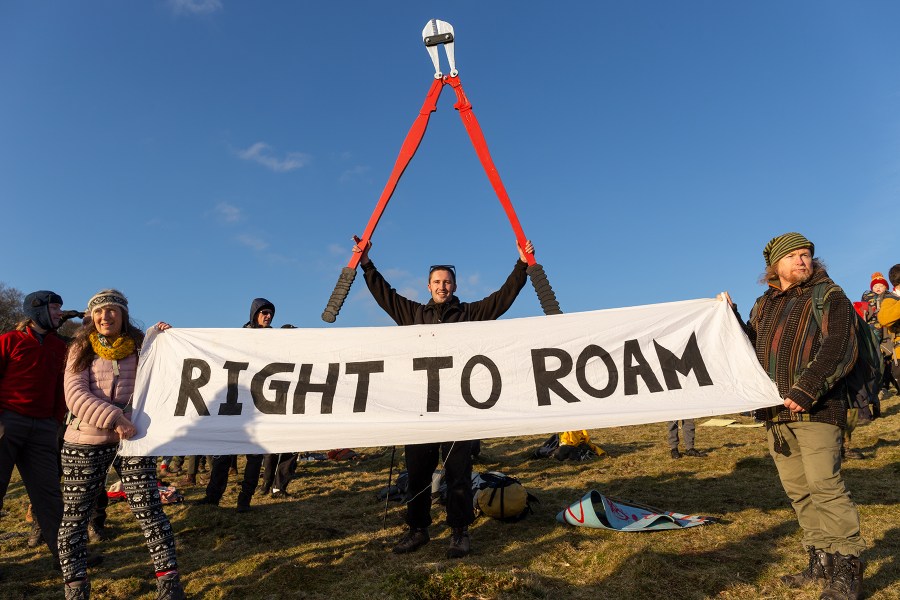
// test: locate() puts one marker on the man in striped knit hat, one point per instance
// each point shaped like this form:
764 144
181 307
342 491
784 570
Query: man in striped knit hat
808 364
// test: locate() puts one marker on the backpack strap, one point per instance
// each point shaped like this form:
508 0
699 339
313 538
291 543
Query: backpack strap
820 291
818 304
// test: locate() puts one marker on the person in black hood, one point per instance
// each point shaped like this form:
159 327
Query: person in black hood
261 314
278 468
422 459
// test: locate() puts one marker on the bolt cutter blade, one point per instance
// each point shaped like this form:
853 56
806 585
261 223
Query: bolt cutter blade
439 33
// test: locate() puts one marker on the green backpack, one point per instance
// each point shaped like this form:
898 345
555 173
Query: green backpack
864 380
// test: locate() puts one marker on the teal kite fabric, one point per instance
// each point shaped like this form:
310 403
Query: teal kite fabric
601 512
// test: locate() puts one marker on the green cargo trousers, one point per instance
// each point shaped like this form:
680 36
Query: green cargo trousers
811 477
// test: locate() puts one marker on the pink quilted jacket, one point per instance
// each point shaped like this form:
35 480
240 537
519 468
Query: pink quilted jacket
90 394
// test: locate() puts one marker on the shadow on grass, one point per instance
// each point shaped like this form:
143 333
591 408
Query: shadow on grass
700 572
889 572
881 443
752 484
889 411
763 547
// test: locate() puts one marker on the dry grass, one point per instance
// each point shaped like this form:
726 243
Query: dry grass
329 540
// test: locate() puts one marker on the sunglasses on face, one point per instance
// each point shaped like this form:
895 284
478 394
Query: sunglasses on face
450 268
266 312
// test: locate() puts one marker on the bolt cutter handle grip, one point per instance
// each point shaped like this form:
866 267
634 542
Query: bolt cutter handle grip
407 151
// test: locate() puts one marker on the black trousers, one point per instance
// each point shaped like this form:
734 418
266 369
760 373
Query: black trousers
218 477
421 462
32 446
279 471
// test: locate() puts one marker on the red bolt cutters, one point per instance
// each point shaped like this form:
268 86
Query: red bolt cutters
438 33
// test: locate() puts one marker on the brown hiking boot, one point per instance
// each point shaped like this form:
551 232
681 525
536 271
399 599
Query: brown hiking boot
460 544
189 479
846 579
411 541
78 590
168 587
96 532
817 571
34 536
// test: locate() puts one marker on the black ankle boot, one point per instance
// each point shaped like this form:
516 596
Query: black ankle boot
460 544
411 541
818 570
846 579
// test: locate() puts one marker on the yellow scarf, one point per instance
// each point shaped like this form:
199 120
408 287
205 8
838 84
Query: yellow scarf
121 347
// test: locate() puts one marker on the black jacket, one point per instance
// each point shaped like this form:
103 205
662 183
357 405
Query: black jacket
408 312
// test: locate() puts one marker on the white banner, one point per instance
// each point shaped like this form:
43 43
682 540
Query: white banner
239 391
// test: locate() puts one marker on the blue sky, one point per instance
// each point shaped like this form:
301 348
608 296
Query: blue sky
199 153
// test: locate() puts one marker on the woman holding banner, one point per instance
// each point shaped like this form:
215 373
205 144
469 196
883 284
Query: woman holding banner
99 382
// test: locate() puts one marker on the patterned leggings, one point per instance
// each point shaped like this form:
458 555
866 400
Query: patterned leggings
84 477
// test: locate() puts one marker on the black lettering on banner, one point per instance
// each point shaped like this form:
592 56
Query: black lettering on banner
232 406
594 351
636 365
546 381
466 383
432 365
691 360
190 387
363 369
278 406
327 389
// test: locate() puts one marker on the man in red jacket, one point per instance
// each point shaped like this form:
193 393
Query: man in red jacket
32 407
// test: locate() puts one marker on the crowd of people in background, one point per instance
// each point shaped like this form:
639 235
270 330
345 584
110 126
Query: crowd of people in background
65 405
880 308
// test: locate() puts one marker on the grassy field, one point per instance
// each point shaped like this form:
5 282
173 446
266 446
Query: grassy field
331 540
